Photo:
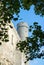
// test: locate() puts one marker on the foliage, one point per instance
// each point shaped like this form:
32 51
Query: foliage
3 31
38 5
32 46
10 7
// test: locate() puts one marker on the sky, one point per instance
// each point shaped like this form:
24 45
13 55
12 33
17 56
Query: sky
29 17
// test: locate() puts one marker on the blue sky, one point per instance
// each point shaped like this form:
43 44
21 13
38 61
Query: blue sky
30 17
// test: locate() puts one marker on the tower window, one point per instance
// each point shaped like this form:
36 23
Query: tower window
0 43
12 39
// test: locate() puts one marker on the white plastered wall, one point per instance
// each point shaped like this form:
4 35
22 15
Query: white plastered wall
9 55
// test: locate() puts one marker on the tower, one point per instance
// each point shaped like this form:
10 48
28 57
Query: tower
22 29
9 54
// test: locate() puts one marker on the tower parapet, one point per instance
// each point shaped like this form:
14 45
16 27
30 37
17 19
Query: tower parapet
22 29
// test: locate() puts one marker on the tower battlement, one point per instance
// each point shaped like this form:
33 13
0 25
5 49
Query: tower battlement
22 29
